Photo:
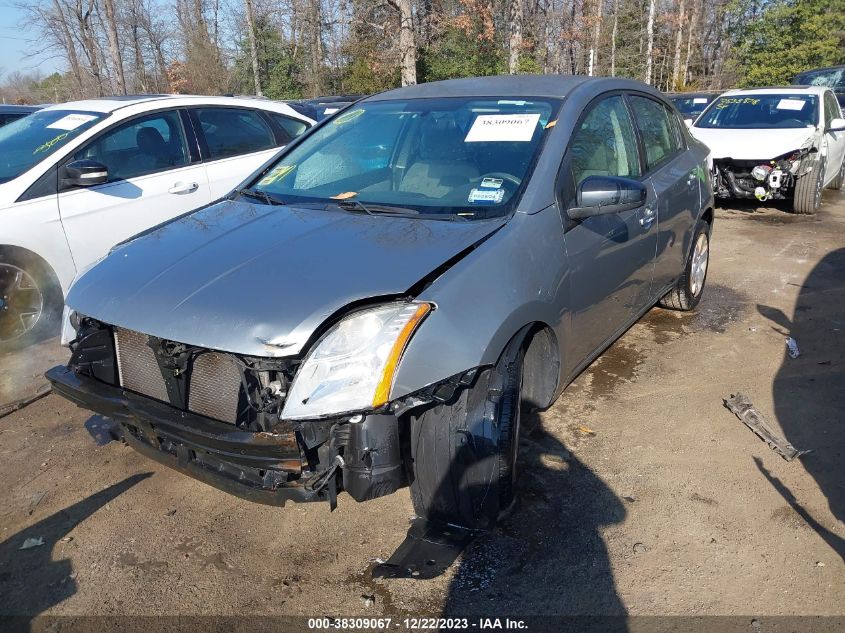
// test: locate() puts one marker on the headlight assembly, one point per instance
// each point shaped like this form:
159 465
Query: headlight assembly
352 366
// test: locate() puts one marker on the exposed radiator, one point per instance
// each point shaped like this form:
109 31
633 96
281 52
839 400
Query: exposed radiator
137 365
214 381
215 386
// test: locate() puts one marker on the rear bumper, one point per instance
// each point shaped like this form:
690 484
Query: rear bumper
253 466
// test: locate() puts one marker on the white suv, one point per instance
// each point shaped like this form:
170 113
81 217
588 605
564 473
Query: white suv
77 178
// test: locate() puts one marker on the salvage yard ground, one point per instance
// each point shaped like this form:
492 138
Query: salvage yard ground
639 493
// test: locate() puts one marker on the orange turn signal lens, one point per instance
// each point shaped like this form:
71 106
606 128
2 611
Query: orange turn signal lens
386 383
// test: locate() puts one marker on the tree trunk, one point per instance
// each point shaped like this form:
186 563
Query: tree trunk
515 42
114 45
89 46
407 44
597 35
613 38
70 47
316 43
696 8
253 46
649 55
676 66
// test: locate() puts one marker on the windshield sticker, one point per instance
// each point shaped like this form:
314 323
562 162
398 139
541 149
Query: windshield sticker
790 104
330 110
71 121
491 183
699 100
478 196
50 143
345 195
503 127
276 174
346 117
724 102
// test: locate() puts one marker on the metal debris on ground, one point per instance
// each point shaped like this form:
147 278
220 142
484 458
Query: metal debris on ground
42 391
792 348
427 551
368 600
741 406
32 542
586 430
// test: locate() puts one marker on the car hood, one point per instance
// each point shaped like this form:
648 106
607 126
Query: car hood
259 280
759 144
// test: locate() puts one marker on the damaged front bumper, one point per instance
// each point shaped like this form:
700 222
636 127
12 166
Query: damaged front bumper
760 179
262 467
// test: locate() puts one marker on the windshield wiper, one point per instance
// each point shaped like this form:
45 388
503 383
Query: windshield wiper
375 209
258 194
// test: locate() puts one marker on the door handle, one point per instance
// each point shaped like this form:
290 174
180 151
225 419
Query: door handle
649 216
183 187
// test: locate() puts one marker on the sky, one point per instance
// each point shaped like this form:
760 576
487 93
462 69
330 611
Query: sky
15 47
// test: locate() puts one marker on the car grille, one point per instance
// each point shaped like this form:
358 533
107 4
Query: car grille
214 382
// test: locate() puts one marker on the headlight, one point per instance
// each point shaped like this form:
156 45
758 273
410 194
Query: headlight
352 366
70 323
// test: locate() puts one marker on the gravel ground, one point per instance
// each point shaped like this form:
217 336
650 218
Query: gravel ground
640 493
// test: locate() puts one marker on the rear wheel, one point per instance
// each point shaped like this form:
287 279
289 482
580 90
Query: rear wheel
464 453
836 183
690 285
30 302
808 190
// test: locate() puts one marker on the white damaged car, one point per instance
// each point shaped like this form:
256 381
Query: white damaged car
775 144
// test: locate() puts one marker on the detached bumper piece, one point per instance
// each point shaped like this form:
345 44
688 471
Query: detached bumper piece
259 467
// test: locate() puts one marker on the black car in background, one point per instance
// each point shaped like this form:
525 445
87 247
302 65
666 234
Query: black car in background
691 104
321 108
9 113
832 77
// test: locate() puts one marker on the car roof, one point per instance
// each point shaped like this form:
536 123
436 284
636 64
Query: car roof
779 90
107 105
690 95
9 107
497 86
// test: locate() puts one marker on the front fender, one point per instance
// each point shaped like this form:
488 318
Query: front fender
516 278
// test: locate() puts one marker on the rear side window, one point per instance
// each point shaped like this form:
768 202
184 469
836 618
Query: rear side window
604 143
141 146
660 137
831 108
292 127
234 131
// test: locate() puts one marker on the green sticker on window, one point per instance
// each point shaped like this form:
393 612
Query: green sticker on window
346 117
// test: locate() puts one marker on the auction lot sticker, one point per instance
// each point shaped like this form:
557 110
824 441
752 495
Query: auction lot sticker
502 127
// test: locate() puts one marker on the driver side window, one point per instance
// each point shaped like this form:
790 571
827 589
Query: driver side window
141 146
604 143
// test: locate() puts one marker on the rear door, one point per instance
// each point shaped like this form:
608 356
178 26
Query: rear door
610 257
674 176
153 177
234 143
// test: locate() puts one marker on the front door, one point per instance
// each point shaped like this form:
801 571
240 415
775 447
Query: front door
834 141
610 257
151 180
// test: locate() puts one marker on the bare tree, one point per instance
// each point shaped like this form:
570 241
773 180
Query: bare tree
515 41
613 35
407 43
597 34
649 62
676 66
253 45
114 45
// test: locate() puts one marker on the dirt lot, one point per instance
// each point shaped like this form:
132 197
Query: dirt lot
640 492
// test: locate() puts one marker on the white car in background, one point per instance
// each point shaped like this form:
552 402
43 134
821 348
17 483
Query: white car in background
775 144
77 178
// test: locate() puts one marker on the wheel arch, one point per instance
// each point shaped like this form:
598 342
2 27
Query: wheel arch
541 369
26 255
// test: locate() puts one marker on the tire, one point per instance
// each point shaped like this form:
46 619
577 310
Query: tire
690 285
463 453
808 190
836 183
31 301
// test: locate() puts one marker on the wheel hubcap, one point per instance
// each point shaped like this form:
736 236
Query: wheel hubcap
698 264
21 302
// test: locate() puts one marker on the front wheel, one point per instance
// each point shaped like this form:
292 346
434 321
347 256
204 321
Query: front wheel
30 302
690 285
463 454
808 190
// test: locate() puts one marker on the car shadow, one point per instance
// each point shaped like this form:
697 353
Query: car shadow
31 581
548 556
808 391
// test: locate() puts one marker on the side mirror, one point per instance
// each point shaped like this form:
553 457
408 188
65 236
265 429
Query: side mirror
837 125
602 195
85 173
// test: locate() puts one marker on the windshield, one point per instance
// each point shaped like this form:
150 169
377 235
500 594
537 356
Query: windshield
449 157
830 78
691 106
29 140
761 111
